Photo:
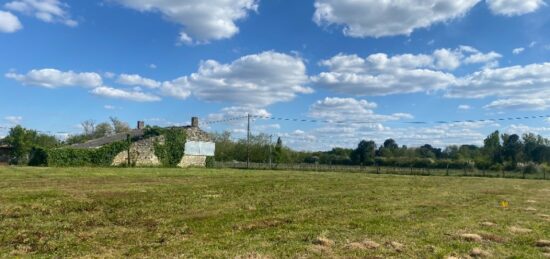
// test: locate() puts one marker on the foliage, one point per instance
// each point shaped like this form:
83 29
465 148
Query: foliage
172 150
23 141
210 162
99 157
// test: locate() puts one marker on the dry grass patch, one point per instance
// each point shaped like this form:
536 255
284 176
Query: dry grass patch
479 253
520 230
363 245
471 237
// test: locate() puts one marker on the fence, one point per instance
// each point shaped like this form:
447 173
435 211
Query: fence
385 170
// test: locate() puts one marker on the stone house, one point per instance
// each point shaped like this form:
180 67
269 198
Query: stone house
198 146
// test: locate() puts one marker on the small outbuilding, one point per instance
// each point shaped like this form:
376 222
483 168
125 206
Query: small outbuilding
198 146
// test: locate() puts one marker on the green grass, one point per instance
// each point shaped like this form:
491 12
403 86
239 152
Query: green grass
73 212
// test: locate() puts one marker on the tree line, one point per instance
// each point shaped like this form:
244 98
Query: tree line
499 152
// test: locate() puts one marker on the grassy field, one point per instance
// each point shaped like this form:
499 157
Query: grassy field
85 212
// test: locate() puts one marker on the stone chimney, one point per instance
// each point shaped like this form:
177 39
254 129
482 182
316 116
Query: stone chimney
195 122
140 125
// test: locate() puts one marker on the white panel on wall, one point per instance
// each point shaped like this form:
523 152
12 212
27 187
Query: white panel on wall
200 148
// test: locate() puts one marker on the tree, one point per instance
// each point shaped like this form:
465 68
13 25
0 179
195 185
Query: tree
102 130
88 127
278 151
388 149
119 126
492 148
364 153
22 141
512 148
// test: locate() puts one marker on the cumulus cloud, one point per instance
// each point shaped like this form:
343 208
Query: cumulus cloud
201 21
518 51
137 80
489 59
464 107
374 18
115 93
253 80
178 88
505 82
239 126
519 104
9 23
514 7
350 110
379 74
53 78
521 87
51 11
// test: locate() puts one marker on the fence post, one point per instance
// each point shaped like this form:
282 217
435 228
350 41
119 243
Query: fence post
523 173
447 172
465 170
544 174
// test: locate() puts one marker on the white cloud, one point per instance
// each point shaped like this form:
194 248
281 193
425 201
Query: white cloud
350 110
239 126
253 80
514 7
375 18
518 51
178 88
379 74
137 80
464 107
202 21
489 59
9 23
53 78
533 79
152 66
110 92
447 59
520 87
519 104
51 11
109 107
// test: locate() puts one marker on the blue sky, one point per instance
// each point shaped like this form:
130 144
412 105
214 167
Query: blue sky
378 65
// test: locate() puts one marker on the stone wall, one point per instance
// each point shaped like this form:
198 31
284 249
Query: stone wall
192 161
142 153
196 134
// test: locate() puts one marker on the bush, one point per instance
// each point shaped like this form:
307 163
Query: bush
531 168
210 162
100 157
38 157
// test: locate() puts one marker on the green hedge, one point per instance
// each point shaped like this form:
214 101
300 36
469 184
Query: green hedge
100 157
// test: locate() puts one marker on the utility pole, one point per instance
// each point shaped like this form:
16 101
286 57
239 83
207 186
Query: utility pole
129 144
248 143
270 152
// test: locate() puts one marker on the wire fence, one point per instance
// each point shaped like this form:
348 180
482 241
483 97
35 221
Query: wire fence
542 175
